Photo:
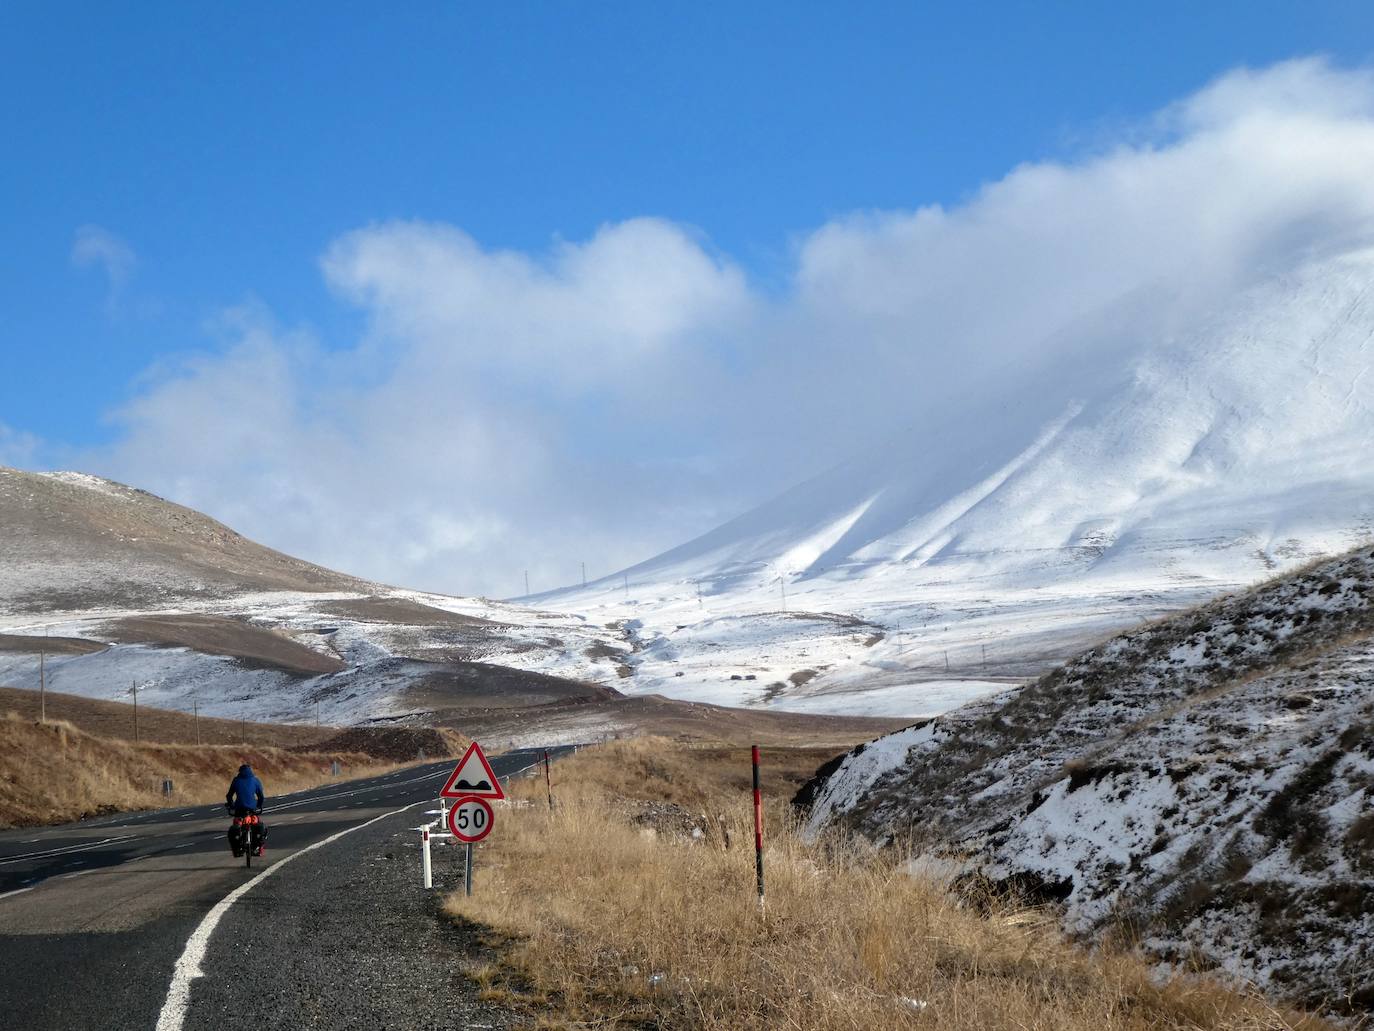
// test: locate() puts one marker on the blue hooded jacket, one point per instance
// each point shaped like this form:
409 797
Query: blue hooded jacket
245 791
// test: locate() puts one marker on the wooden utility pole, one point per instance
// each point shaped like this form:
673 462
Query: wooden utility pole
527 583
42 690
195 710
135 683
584 574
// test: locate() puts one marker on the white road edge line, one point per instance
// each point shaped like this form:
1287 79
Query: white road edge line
17 891
173 1015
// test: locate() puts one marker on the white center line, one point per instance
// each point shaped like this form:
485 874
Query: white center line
64 850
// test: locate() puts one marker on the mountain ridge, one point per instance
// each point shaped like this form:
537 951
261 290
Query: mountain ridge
155 550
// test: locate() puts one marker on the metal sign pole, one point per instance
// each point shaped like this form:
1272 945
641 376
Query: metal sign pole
467 872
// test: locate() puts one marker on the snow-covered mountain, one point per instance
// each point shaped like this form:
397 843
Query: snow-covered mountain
1202 782
1149 465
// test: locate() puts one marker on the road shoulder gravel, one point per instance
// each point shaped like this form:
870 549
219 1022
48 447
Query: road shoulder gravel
346 938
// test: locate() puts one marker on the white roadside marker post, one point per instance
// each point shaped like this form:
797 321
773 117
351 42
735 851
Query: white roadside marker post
424 845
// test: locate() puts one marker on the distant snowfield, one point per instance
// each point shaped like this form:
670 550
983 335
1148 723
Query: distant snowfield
379 657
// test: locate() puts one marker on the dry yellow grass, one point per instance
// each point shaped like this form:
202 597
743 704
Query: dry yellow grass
604 920
52 772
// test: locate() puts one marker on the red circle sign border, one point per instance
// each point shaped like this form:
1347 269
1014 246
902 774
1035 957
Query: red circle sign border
470 839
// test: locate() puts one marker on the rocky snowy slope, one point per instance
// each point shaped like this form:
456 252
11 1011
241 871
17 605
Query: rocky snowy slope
1149 467
1204 783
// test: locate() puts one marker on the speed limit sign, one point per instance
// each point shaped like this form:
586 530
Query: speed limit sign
470 819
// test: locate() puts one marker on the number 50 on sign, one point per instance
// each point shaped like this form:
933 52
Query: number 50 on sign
471 819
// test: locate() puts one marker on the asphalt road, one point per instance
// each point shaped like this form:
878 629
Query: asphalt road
95 916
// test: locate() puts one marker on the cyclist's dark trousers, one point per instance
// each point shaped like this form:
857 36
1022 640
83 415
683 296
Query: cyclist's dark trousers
258 837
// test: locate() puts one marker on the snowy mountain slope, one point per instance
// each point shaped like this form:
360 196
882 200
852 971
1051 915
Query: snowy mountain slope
196 614
1204 780
1132 478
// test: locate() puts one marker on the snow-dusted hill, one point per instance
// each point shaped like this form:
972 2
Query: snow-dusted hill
197 615
1206 782
76 541
1144 470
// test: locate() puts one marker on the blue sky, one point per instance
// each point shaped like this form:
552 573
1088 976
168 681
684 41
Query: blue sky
210 156
228 148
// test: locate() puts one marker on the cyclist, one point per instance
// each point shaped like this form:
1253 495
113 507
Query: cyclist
245 796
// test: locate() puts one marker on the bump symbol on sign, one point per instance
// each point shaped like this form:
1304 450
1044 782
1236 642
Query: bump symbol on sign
473 777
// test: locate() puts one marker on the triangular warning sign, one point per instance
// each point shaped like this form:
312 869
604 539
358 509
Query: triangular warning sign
473 777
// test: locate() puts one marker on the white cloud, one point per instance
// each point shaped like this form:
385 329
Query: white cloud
94 247
635 293
610 397
17 449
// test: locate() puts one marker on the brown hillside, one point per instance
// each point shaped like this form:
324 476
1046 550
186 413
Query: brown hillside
77 542
53 772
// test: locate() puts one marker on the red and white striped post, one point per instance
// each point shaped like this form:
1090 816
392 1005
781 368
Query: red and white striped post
548 784
758 828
